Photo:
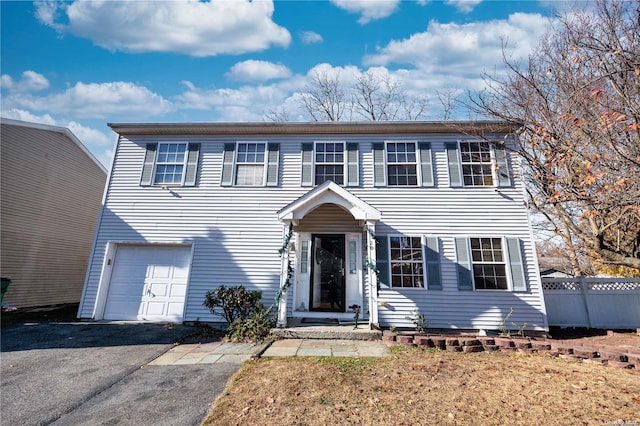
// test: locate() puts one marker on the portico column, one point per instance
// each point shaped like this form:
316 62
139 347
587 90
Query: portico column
372 275
284 274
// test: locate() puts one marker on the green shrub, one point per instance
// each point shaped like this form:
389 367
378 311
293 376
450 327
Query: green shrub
235 302
254 328
246 316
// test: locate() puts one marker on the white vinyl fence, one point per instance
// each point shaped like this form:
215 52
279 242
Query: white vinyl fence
612 303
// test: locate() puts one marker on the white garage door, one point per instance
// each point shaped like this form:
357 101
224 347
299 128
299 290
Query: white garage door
148 283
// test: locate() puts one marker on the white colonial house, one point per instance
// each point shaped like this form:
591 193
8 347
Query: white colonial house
391 216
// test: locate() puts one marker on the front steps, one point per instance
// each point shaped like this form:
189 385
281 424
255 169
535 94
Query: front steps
296 329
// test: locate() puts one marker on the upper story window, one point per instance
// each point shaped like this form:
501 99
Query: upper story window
402 163
329 162
170 163
402 169
477 167
477 163
250 164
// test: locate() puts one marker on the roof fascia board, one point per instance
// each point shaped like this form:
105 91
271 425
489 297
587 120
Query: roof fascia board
258 128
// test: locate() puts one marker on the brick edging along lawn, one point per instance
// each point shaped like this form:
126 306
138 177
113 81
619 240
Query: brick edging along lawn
618 357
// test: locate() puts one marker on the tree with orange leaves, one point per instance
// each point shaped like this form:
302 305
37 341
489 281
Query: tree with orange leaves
577 100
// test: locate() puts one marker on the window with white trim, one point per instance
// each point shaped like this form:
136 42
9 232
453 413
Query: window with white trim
488 263
402 167
329 162
250 164
477 165
406 262
170 163
402 164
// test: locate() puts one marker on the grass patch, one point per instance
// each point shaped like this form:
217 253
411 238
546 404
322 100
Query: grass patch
425 388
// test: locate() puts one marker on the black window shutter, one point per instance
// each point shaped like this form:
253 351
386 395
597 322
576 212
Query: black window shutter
227 164
426 166
273 158
192 164
502 167
465 276
382 261
307 164
432 259
379 169
353 170
455 169
516 265
146 178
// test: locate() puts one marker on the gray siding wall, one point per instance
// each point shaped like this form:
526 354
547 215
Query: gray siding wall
51 196
237 235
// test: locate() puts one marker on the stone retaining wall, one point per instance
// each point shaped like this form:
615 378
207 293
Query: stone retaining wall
614 356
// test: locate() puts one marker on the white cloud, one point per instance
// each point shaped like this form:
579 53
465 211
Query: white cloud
93 100
252 70
464 6
185 27
368 10
310 37
464 49
30 81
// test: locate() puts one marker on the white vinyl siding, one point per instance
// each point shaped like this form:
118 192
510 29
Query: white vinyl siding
236 234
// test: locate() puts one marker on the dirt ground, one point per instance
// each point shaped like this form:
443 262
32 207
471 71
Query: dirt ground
416 387
597 338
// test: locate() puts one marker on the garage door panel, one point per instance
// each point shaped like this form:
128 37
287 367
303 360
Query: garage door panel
148 283
161 271
158 290
178 290
156 308
174 309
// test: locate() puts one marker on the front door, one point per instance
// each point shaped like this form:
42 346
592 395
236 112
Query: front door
327 273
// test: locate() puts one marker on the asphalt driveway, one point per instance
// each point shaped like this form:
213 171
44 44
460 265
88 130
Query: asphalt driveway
92 374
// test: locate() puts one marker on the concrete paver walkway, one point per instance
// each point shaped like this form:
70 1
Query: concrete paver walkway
224 352
347 348
208 353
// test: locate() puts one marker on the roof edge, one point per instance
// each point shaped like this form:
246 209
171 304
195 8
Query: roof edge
275 128
58 129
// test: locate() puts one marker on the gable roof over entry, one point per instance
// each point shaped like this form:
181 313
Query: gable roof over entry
329 192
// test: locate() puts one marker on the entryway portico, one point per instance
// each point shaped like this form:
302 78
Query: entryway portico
329 250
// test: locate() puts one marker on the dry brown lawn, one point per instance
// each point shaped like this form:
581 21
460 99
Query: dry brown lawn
415 387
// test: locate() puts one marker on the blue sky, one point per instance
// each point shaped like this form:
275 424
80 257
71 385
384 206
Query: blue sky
83 64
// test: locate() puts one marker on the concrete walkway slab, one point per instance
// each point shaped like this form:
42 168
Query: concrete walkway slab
209 353
312 347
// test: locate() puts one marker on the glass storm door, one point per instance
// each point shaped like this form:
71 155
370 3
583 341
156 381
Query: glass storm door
327 273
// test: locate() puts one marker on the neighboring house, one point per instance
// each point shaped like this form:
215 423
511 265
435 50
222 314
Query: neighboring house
436 208
52 188
555 267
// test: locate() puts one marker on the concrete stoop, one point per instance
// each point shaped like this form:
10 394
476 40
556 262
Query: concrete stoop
296 329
